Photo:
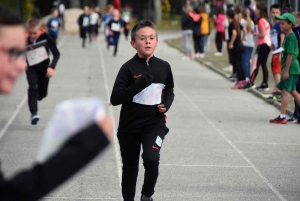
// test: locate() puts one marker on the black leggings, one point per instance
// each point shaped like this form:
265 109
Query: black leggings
197 43
130 146
236 58
262 52
219 41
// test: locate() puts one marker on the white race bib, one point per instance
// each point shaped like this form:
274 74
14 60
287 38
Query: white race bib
115 27
150 95
36 56
85 21
126 18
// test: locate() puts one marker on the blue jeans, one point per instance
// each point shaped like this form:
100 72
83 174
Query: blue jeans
246 60
203 43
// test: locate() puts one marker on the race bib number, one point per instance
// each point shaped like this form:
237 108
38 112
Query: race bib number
54 24
115 27
150 95
85 21
126 18
36 56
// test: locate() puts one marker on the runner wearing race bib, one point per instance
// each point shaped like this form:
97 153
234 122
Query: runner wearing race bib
54 25
39 68
115 27
126 16
84 23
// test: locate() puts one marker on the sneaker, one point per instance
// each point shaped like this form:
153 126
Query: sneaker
228 68
232 77
202 55
278 120
218 54
292 120
145 198
197 55
249 85
239 84
263 87
34 119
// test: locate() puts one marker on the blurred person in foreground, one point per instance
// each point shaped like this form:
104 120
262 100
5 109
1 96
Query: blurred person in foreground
34 183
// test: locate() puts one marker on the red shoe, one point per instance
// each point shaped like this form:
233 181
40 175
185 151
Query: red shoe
278 120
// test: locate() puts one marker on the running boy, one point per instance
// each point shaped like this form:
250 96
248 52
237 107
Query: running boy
290 66
84 23
115 28
54 25
277 37
144 87
39 67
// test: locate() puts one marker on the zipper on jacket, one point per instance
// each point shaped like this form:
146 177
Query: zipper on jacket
148 67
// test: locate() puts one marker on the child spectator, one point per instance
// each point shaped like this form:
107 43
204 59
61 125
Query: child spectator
54 25
235 31
296 116
248 24
39 69
205 31
263 47
220 29
290 66
277 38
187 26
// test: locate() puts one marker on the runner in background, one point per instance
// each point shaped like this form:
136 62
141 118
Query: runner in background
54 25
106 19
83 22
98 11
115 28
40 69
94 23
126 16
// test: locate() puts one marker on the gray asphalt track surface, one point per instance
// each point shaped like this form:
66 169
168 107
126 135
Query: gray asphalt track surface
220 145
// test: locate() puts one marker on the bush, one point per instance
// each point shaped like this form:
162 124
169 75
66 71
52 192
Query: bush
165 9
27 7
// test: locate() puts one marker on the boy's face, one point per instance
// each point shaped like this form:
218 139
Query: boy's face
116 14
285 26
145 42
34 33
274 12
12 63
55 13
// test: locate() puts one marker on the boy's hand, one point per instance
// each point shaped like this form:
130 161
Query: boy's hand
285 75
50 72
162 108
230 46
106 125
111 33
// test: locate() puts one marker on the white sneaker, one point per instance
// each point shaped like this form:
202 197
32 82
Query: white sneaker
197 55
185 58
217 54
228 68
202 55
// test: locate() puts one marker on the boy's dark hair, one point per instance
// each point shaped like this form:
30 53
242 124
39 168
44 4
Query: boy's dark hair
274 6
9 18
237 9
33 23
141 24
247 2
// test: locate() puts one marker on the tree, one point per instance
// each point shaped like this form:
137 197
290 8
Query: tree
165 9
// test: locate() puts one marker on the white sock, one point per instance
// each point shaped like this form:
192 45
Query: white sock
282 116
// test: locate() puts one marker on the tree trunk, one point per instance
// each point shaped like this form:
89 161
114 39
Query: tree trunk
102 4
157 11
75 3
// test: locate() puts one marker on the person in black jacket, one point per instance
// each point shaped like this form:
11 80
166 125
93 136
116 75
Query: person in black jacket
34 183
84 24
144 86
39 67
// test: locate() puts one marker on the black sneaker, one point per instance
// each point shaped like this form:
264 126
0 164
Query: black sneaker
145 198
263 87
34 119
292 120
232 77
248 86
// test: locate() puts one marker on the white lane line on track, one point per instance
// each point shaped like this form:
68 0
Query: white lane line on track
267 182
115 141
17 110
70 198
